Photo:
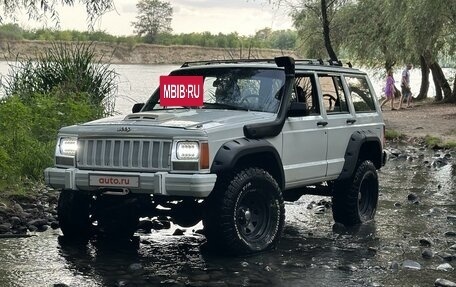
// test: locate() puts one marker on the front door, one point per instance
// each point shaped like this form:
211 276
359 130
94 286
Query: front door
305 138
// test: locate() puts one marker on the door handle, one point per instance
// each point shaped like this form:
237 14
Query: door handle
320 124
351 121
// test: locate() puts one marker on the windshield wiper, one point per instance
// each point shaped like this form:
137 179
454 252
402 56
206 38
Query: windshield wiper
223 106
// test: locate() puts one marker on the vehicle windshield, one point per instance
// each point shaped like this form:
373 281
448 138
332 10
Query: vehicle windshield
233 88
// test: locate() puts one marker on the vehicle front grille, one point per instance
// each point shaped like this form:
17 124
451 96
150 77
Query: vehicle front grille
124 154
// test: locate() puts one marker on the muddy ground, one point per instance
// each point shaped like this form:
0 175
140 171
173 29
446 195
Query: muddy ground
437 120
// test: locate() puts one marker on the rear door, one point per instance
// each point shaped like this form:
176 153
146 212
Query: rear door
341 121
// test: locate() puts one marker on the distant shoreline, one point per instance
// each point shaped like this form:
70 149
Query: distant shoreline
123 53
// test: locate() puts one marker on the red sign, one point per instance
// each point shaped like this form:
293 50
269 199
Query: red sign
184 91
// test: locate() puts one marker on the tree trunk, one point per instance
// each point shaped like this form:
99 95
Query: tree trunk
452 98
438 88
424 88
326 31
439 77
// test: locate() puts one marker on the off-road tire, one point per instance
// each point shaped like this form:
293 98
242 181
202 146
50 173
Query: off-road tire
117 216
245 212
355 200
73 211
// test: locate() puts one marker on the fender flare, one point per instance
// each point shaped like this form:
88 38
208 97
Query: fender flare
353 150
231 152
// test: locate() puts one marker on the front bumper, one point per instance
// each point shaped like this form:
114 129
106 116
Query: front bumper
162 183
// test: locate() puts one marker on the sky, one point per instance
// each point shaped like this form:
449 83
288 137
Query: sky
243 16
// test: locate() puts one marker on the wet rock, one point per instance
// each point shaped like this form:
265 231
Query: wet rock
43 228
394 266
244 264
17 209
4 210
410 264
15 221
439 162
5 227
453 247
179 232
445 267
451 217
450 233
425 242
32 228
445 256
21 230
37 222
267 268
444 283
412 197
145 226
427 254
397 204
55 225
60 285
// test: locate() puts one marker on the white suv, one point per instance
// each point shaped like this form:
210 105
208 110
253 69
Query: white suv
269 131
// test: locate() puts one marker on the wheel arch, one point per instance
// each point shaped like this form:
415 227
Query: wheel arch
363 145
243 152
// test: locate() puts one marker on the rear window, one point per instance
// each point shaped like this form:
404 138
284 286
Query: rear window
362 98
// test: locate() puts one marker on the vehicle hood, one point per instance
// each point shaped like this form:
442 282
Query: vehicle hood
186 118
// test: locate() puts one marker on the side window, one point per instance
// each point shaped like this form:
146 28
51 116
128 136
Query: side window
360 93
334 98
306 93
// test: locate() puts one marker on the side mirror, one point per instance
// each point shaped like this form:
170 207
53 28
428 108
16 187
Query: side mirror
137 107
298 109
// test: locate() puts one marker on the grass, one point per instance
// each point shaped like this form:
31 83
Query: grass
435 142
21 191
393 134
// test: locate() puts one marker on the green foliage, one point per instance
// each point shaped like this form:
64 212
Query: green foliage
393 134
281 39
154 17
37 9
11 32
68 84
29 130
432 141
66 69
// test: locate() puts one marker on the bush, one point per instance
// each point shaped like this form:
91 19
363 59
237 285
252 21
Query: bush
29 131
68 69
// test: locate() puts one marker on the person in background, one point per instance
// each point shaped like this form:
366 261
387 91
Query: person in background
389 90
405 87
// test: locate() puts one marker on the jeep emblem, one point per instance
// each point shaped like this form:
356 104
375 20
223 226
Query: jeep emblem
124 129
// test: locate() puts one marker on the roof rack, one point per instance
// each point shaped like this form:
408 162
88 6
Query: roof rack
234 61
318 62
230 61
